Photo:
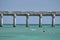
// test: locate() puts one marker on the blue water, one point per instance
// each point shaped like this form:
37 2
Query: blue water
33 32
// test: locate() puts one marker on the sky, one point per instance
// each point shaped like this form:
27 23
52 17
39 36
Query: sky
30 5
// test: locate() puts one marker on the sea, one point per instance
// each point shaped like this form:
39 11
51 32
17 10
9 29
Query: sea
33 32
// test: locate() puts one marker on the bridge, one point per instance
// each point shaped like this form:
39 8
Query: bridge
27 14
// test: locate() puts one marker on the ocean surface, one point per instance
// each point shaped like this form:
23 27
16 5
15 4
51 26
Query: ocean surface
33 32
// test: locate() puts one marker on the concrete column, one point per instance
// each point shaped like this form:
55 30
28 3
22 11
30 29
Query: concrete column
1 20
27 20
40 20
53 20
14 20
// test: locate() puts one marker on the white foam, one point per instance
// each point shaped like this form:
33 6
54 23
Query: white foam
33 29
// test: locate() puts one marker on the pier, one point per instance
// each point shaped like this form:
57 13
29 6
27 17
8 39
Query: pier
27 14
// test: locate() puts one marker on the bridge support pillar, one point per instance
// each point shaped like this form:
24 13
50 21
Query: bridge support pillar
53 20
27 20
40 20
14 20
1 20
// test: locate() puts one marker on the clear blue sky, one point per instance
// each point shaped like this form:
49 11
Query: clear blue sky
30 5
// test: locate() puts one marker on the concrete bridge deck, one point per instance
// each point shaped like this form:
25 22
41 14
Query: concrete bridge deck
31 13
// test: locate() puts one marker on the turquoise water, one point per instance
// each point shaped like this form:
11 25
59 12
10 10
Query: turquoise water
33 32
